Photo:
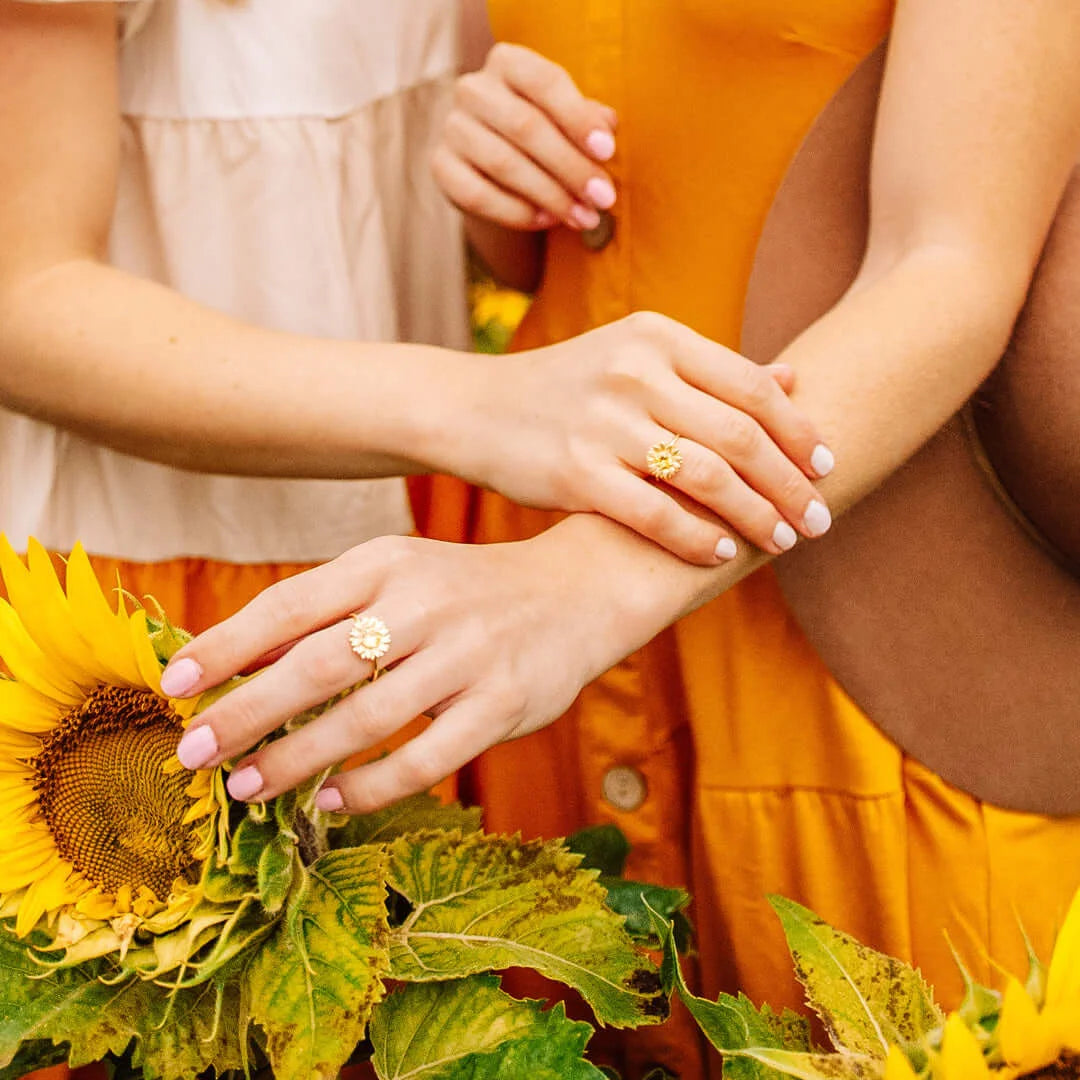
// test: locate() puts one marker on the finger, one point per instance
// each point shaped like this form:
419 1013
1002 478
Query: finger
550 87
366 718
474 193
783 375
510 169
315 670
746 446
528 127
711 481
729 377
657 514
279 615
463 731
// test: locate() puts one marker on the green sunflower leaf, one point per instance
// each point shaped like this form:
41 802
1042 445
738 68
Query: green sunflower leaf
418 813
601 847
36 1054
277 865
312 985
866 1000
803 1066
469 1029
484 902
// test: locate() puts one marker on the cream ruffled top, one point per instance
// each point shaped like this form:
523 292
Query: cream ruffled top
275 166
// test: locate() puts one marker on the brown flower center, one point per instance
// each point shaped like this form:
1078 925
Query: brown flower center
112 811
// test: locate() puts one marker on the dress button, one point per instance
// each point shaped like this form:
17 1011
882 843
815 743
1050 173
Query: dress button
624 788
598 238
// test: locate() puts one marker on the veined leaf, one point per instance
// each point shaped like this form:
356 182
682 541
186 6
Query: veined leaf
418 813
807 1066
601 847
469 1029
313 984
632 900
732 1024
866 999
492 902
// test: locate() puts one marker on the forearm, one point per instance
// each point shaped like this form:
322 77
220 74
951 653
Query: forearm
879 374
140 368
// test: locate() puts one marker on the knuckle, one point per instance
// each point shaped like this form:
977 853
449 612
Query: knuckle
418 770
363 722
468 89
794 489
503 54
742 435
649 324
755 387
522 124
326 672
283 605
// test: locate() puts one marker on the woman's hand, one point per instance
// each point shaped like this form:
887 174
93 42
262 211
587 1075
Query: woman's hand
491 641
569 427
522 144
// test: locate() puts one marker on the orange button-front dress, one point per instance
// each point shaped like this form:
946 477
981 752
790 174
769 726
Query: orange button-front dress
724 749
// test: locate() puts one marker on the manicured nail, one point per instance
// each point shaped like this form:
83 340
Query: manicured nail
822 460
330 800
601 193
245 782
198 747
784 536
601 144
817 519
179 677
545 219
584 216
726 549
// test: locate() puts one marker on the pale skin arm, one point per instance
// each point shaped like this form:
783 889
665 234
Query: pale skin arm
979 126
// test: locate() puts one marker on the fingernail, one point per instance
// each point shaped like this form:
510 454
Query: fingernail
817 519
601 193
198 747
545 219
584 216
330 800
726 549
179 677
601 144
784 536
822 460
245 782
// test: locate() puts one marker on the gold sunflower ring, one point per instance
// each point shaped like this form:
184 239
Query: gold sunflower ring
664 459
369 638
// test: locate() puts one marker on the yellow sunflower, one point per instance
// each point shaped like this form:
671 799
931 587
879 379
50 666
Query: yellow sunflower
103 833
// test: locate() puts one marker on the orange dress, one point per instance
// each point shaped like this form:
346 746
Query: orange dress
731 759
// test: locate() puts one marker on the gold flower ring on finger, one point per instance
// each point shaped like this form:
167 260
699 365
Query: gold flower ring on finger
369 638
664 459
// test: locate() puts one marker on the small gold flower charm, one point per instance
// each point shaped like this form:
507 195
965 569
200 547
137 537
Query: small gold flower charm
369 637
664 459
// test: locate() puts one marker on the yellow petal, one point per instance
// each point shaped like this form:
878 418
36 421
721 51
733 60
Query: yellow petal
105 629
23 709
17 745
897 1066
44 895
14 797
19 876
28 664
1026 1039
1063 977
961 1056
145 657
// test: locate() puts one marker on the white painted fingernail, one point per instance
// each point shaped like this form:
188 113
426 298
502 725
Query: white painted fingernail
726 549
197 748
244 783
330 800
822 460
784 536
817 519
601 144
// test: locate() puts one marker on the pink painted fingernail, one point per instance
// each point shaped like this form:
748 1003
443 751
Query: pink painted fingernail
817 520
784 536
601 193
198 747
822 460
601 144
330 800
180 677
544 219
584 216
726 549
244 783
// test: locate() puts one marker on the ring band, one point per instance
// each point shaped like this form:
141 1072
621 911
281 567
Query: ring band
664 459
369 638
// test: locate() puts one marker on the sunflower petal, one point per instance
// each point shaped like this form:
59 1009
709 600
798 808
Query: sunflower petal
45 894
23 709
961 1056
1025 1038
28 664
105 629
1063 977
145 657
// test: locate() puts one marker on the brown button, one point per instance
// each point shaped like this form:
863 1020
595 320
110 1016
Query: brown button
624 788
597 239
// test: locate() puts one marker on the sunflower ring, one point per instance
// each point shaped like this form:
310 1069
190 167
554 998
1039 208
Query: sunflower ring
664 459
369 638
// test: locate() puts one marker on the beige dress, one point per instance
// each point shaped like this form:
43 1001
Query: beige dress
275 166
